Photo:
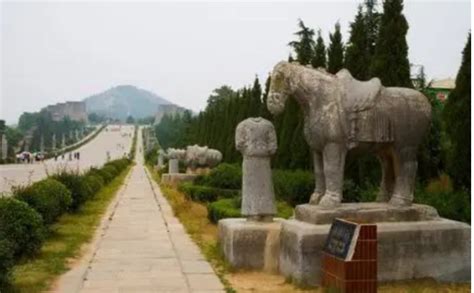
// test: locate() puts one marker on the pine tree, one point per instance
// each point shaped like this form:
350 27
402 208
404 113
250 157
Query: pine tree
390 62
357 54
255 98
319 57
372 19
264 110
304 45
335 50
457 114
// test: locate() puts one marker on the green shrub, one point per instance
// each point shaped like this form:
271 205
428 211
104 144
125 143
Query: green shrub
111 172
294 187
225 176
21 226
104 174
230 208
95 183
6 263
206 193
48 197
77 185
455 205
119 164
224 208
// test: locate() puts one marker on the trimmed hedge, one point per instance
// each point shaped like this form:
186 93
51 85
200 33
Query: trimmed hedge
21 226
49 197
230 208
95 183
77 185
23 216
224 208
293 186
224 176
206 193
6 262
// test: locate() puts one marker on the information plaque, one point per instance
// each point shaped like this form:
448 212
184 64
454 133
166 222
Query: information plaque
349 257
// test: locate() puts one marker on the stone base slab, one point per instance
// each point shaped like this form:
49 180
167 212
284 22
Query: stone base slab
439 249
250 245
371 212
174 179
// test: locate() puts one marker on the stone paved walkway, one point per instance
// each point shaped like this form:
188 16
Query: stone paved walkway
144 248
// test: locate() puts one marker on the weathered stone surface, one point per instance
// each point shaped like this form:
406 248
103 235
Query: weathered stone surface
173 179
198 156
341 114
249 244
175 155
365 213
406 250
173 166
255 138
161 159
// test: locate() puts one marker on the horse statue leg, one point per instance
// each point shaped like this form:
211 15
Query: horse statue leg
319 184
334 156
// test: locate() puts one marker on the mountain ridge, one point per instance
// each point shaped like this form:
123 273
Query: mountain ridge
121 101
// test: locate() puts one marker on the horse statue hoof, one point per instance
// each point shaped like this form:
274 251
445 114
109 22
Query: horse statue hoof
315 198
400 202
329 202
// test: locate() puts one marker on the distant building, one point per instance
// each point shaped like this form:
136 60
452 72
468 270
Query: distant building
169 109
76 111
442 88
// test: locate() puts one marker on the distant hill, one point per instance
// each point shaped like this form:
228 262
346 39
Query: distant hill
123 100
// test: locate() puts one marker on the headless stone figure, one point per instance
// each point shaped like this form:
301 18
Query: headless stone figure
255 138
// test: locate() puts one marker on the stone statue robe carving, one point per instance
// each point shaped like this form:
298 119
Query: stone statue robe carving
255 138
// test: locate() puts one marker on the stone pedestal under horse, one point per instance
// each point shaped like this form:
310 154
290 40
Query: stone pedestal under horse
342 114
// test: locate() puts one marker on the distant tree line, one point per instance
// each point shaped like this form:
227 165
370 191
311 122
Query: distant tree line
376 47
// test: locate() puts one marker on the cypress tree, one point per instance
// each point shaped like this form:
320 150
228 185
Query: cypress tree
264 110
304 45
319 57
357 54
390 62
372 19
255 98
335 50
457 114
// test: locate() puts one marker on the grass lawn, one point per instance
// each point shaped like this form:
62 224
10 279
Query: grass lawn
64 242
193 216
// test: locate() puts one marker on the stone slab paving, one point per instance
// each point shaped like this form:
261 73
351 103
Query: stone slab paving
115 139
144 248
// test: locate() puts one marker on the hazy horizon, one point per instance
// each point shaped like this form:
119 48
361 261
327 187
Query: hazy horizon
53 52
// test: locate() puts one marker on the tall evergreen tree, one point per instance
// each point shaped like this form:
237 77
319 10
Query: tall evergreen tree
457 115
304 45
335 50
357 59
255 98
372 20
319 57
264 110
390 61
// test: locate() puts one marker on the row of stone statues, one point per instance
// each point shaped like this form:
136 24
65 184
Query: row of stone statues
193 157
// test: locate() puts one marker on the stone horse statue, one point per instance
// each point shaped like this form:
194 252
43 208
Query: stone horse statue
342 114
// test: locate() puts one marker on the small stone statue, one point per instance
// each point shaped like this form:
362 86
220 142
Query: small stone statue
175 155
255 138
161 158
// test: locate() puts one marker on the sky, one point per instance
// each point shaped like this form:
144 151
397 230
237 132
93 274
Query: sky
57 51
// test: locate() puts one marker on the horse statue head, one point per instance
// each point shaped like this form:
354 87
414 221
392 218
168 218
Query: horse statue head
303 83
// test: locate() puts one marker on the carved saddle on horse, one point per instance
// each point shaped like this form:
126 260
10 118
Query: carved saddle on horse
359 100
